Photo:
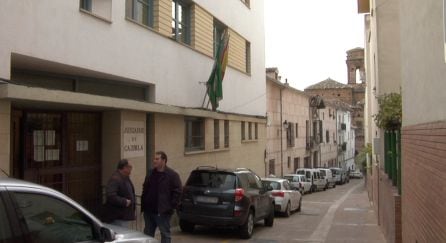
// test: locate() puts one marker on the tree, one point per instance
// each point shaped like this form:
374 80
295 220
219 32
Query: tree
389 116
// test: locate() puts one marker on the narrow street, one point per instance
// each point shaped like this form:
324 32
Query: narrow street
342 214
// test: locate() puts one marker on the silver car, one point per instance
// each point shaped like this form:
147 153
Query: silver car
35 213
286 200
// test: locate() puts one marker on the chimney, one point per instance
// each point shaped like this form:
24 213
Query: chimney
286 82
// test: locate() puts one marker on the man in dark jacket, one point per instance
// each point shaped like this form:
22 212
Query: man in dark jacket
160 196
121 196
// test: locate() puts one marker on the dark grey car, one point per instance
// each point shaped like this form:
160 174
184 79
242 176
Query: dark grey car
224 197
34 213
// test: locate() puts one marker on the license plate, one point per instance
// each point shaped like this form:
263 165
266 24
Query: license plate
204 199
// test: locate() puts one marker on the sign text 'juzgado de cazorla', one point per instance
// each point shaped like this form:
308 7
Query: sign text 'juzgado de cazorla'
134 143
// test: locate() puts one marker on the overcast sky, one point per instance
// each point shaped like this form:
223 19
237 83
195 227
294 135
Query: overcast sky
308 39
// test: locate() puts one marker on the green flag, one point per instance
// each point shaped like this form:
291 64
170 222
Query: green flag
215 81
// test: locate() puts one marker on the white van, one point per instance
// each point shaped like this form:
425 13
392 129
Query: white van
328 177
313 176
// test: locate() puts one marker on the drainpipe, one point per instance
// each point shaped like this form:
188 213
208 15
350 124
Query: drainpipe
281 135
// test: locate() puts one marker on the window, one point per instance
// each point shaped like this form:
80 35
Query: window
98 8
51 220
180 22
243 130
290 134
5 229
248 56
216 134
289 162
219 29
141 11
297 130
327 136
249 130
256 131
194 134
86 5
226 134
246 2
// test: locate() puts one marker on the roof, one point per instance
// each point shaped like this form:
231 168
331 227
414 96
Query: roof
356 49
328 84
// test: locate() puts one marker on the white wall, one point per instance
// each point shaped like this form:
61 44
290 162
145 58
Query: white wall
57 31
423 65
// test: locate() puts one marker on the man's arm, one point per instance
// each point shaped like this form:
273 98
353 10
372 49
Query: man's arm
112 194
176 190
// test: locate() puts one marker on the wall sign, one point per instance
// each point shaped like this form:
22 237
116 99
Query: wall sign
134 139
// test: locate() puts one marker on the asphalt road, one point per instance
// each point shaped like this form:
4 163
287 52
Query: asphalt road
341 214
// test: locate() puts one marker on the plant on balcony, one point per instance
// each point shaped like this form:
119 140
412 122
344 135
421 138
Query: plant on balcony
390 112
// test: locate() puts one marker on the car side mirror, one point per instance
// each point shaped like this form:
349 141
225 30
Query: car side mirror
107 234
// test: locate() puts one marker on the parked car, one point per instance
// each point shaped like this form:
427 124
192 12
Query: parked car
299 182
286 200
356 174
338 175
225 197
328 177
35 213
313 176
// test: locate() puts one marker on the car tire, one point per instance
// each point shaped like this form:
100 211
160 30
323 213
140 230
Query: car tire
287 212
300 205
269 221
186 226
247 228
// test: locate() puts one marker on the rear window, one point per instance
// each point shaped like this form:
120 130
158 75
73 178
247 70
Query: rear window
301 172
322 172
291 178
274 184
212 179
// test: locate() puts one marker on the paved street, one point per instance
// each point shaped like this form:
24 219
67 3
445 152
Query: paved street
342 214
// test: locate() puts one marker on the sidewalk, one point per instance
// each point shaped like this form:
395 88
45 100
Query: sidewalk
355 220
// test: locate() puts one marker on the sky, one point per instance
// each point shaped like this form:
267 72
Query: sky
307 40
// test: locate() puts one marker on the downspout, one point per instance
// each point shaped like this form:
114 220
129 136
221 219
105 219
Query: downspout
281 136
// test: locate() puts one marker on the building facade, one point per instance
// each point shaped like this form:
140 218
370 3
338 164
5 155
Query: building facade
423 68
287 126
86 83
383 75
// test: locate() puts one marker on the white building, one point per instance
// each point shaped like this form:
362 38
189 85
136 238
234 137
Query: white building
86 83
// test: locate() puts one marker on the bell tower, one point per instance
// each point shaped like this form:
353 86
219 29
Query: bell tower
355 61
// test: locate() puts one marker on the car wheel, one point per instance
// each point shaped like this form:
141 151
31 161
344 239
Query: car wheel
300 205
269 221
186 226
247 228
288 210
334 185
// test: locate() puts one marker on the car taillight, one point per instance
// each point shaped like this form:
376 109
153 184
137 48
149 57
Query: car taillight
278 194
239 193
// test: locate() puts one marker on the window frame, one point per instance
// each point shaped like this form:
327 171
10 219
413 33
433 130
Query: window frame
226 133
188 131
242 131
247 57
184 22
132 13
216 133
86 5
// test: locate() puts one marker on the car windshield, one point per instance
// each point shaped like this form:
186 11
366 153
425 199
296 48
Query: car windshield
322 172
213 179
290 178
274 184
335 172
301 172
